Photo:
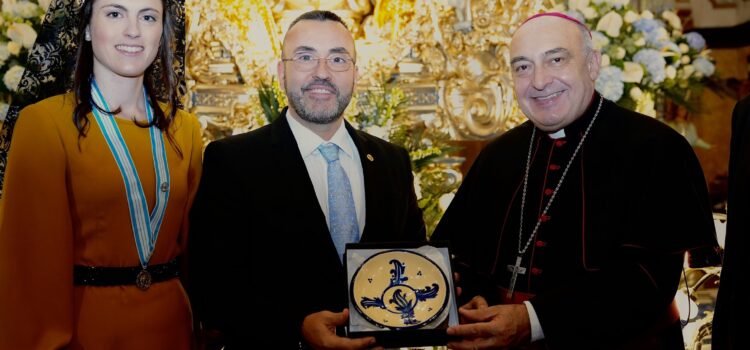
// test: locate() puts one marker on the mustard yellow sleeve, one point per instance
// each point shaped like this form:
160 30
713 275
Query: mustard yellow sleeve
36 238
195 152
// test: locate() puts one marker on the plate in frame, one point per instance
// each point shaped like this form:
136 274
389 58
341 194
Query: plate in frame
399 289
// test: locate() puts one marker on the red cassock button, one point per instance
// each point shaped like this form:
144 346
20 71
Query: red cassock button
554 167
540 244
544 218
535 271
560 143
548 191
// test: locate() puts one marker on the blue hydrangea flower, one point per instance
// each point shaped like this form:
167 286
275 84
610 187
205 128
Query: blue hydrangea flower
646 25
609 83
704 66
655 39
695 40
654 63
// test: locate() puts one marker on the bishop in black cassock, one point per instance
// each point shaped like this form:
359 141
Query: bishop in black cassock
603 268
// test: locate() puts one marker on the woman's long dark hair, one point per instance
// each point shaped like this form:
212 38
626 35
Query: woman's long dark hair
162 65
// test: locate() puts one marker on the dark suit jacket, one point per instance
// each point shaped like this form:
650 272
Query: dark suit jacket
732 303
256 214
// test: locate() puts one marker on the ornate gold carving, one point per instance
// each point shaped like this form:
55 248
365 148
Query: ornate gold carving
464 48
231 44
451 56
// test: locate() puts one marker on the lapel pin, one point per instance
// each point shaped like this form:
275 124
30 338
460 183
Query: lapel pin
370 157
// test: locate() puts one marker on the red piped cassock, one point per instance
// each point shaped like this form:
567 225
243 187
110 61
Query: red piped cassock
605 264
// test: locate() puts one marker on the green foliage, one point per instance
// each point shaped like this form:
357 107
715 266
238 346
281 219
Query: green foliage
271 100
382 113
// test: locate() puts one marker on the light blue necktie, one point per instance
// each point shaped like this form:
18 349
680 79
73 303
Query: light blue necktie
342 216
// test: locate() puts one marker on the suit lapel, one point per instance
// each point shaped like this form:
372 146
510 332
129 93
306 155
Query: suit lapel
297 183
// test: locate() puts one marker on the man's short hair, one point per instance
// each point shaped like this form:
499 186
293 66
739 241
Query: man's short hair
318 15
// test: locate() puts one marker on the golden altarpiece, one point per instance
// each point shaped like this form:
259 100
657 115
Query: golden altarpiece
449 56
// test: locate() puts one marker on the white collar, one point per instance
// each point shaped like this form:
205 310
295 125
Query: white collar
557 134
308 141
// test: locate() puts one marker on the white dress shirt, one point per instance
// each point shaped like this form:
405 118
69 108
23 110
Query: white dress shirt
317 167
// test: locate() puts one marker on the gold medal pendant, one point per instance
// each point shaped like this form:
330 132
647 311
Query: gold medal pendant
143 280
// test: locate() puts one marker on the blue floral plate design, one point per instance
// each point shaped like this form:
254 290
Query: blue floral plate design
399 289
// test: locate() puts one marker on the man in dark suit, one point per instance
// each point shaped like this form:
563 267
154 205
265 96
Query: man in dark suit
266 202
732 303
569 231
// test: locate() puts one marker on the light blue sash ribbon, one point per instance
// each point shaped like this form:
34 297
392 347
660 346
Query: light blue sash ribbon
145 226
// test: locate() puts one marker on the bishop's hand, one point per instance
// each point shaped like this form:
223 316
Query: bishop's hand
489 327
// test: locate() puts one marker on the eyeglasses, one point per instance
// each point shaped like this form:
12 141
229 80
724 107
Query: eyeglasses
305 62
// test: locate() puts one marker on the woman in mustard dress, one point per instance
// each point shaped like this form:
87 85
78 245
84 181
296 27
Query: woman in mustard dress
99 182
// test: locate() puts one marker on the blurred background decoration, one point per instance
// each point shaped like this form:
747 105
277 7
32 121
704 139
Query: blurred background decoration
20 20
648 63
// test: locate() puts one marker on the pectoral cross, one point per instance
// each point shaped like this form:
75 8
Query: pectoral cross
516 270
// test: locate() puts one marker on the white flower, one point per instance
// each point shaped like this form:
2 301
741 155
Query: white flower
417 185
44 4
8 6
662 34
590 13
687 71
377 131
599 40
632 72
610 24
620 3
26 9
645 105
631 17
685 59
671 72
22 33
578 4
445 201
672 19
4 54
636 93
620 54
13 77
3 111
640 42
647 14
22 8
14 48
684 48
605 60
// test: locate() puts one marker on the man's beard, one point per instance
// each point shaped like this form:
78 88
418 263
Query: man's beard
297 103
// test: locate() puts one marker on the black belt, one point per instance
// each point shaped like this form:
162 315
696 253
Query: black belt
122 276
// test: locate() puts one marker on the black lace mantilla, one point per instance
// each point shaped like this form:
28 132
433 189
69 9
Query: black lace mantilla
50 65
